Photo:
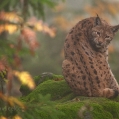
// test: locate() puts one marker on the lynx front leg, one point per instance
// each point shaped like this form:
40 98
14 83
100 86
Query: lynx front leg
109 93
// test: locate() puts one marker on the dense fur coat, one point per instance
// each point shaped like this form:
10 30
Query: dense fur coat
86 68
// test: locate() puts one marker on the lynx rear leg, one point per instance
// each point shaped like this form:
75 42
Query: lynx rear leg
74 79
70 76
67 67
110 93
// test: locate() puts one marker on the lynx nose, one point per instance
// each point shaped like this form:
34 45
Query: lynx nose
99 42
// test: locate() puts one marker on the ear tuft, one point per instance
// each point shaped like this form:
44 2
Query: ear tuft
115 28
97 20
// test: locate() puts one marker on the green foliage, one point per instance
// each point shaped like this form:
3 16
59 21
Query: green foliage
41 107
36 6
9 52
5 49
35 108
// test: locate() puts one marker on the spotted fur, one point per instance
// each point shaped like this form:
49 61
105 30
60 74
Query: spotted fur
86 68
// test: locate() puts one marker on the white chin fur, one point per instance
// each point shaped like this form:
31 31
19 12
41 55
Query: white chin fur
98 46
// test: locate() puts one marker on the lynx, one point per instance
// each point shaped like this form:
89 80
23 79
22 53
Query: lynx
85 67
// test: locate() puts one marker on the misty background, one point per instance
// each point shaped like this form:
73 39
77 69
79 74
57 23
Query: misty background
63 17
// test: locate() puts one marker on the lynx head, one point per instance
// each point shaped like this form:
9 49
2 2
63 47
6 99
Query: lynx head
102 34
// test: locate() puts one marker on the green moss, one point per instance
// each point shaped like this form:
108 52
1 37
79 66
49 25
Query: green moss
71 105
100 113
57 89
40 79
112 107
66 98
70 109
25 90
47 76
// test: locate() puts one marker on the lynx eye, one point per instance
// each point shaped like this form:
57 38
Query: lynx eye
98 33
107 37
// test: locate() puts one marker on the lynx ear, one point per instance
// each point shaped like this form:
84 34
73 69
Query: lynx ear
97 21
115 28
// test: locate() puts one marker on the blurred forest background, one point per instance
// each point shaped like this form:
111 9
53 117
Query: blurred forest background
49 55
46 32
